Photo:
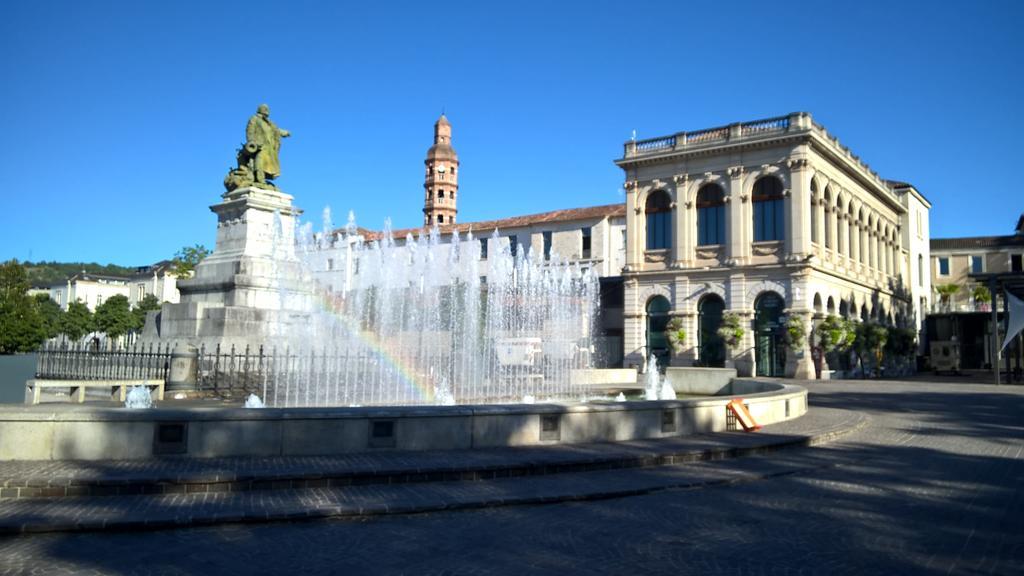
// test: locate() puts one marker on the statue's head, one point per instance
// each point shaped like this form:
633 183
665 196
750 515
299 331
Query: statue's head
263 110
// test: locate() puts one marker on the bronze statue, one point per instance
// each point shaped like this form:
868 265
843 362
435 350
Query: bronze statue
258 161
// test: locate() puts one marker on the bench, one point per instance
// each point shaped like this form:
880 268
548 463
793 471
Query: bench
118 388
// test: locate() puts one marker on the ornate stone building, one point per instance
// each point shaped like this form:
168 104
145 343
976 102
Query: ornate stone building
767 219
441 182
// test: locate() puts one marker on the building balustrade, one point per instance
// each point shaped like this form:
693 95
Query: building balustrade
709 135
654 144
754 129
761 126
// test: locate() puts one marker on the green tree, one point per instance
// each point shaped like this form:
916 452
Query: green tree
146 305
77 321
114 317
49 314
869 342
21 327
835 333
186 260
901 343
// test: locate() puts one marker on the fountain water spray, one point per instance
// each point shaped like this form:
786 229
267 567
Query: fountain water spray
427 321
656 386
139 397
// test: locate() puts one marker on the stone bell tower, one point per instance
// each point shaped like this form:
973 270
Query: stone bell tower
441 184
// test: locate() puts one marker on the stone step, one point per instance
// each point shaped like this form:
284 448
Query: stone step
177 476
155 512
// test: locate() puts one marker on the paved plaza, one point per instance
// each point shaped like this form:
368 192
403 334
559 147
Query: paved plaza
926 480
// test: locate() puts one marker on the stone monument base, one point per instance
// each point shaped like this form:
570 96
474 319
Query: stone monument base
250 288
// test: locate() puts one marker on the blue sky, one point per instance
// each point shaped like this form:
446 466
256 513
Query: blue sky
121 119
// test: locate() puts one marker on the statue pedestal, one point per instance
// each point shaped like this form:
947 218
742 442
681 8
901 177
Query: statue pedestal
251 283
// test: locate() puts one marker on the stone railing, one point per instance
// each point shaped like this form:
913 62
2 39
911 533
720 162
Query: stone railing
754 129
780 124
654 144
709 135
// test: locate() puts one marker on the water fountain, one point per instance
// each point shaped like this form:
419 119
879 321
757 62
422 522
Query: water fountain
656 386
425 320
138 398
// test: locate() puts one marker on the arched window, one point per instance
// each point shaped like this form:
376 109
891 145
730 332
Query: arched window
830 306
710 215
814 213
828 219
659 220
769 218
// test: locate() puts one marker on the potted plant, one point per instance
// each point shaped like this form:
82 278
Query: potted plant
834 334
731 332
795 335
676 336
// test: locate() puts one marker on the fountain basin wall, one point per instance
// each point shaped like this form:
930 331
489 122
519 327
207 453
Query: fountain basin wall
56 432
710 381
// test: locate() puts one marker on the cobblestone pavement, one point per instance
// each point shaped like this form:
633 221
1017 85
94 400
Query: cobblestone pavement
932 485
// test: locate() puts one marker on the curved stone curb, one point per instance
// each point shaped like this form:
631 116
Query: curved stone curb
393 468
153 512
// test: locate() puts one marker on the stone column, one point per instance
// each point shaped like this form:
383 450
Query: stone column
633 225
799 363
842 236
821 218
632 328
181 377
679 231
865 249
739 227
682 249
829 238
798 210
853 244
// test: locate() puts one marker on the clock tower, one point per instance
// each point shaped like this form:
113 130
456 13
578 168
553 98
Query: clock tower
441 184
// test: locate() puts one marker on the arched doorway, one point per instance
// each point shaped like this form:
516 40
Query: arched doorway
711 347
769 346
657 325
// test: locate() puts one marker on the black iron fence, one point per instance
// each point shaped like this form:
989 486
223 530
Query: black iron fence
231 371
62 361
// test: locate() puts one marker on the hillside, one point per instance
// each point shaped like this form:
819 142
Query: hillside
47 273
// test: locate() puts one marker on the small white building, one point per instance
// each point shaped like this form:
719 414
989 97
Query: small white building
158 280
94 289
90 289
